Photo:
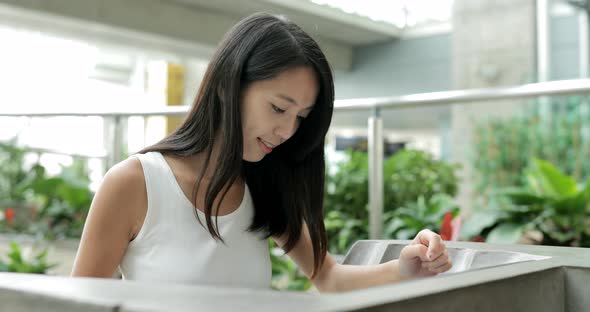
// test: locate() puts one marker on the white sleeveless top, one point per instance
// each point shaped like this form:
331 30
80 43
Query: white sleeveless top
173 247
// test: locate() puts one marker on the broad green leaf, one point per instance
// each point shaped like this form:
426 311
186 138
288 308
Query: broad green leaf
406 234
15 253
392 227
572 205
479 221
549 181
521 196
506 233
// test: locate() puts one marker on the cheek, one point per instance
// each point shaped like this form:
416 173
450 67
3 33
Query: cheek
254 120
246 120
250 129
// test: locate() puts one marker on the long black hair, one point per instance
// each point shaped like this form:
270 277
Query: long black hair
287 186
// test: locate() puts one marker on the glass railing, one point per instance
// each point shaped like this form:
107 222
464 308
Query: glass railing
540 92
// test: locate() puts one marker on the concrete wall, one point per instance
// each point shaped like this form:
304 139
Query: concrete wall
403 66
494 45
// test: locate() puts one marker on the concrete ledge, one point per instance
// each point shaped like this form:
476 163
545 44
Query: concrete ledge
577 285
17 301
539 292
557 284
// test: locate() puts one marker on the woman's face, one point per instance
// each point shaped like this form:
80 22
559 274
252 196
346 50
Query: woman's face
272 109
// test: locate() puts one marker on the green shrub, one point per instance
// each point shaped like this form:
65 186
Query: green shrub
408 175
285 273
504 148
405 222
15 178
411 174
19 263
64 202
550 202
50 206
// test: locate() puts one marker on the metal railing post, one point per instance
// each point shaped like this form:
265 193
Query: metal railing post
543 19
117 140
113 140
375 175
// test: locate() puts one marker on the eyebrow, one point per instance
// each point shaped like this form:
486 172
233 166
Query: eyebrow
291 100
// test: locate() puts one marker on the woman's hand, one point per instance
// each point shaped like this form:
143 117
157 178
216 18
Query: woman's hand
426 255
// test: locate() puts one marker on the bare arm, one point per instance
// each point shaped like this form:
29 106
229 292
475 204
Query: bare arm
116 212
334 277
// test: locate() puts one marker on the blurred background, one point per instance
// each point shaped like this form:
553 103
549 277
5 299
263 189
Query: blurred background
85 83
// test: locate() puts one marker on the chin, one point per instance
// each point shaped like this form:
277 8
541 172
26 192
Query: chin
253 158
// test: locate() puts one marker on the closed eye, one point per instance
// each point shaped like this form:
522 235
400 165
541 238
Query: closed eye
277 109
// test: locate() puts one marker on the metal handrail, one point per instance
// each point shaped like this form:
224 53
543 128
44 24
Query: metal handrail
558 87
161 111
40 150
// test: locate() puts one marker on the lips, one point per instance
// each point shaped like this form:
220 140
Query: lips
265 146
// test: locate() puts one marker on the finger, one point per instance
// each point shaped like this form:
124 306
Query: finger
422 237
414 251
437 269
441 260
436 248
435 244
443 268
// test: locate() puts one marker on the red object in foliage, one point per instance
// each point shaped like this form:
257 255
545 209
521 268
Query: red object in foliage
446 229
478 239
9 215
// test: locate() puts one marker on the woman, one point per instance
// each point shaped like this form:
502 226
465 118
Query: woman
247 164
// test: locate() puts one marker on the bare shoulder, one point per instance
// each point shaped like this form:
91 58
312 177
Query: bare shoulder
116 213
128 173
123 192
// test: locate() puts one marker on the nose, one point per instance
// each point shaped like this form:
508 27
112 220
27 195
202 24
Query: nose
286 128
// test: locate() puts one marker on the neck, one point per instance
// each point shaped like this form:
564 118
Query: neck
198 161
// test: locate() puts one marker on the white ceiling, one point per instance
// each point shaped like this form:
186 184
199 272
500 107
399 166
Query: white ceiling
326 22
193 27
